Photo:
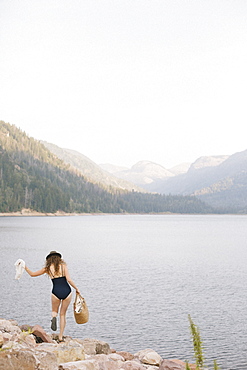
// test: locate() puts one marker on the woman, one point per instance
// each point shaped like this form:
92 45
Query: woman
61 296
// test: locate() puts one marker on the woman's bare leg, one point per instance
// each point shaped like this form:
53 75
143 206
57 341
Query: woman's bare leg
55 303
63 310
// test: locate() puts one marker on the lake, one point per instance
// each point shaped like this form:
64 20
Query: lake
141 276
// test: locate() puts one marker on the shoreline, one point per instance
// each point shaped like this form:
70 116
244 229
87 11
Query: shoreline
27 213
31 213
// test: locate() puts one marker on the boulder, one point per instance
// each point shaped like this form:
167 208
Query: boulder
28 339
94 346
115 357
26 359
13 322
79 365
175 365
179 362
148 356
39 332
1 339
21 360
107 362
46 360
13 345
132 365
126 355
150 367
65 352
6 337
111 365
9 326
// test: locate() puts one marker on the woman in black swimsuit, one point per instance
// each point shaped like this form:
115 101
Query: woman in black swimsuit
61 296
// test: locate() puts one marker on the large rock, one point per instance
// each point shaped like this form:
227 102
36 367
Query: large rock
107 362
97 362
115 357
14 345
126 355
46 360
65 352
132 365
148 356
9 326
27 359
94 346
170 365
18 342
27 339
21 360
6 337
175 365
79 365
39 332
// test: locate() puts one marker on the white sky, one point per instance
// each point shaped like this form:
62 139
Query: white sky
127 80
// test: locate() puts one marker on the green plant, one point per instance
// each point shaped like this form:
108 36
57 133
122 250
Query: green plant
216 367
198 347
187 366
29 331
197 343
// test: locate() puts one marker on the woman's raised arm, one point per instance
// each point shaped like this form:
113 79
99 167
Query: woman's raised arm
35 273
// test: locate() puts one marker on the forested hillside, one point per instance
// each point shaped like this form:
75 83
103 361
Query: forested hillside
32 177
90 170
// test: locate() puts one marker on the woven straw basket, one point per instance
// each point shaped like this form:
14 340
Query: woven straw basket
81 313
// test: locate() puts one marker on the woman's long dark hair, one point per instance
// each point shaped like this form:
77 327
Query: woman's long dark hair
53 260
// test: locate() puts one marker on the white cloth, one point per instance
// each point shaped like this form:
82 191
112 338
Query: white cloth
19 267
78 303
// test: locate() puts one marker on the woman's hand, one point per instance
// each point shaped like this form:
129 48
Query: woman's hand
77 291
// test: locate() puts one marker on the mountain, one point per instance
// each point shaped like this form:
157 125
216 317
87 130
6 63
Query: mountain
208 161
221 181
90 170
33 177
111 168
200 174
180 168
144 173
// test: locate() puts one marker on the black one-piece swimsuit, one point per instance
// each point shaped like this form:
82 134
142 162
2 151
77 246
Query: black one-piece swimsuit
61 288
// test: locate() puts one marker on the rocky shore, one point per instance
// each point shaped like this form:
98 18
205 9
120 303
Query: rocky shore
31 213
31 348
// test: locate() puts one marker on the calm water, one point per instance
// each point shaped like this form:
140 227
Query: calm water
141 276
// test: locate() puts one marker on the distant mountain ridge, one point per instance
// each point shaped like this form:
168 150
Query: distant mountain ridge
220 181
145 172
208 161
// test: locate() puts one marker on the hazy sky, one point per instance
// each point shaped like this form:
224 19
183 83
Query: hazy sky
126 80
